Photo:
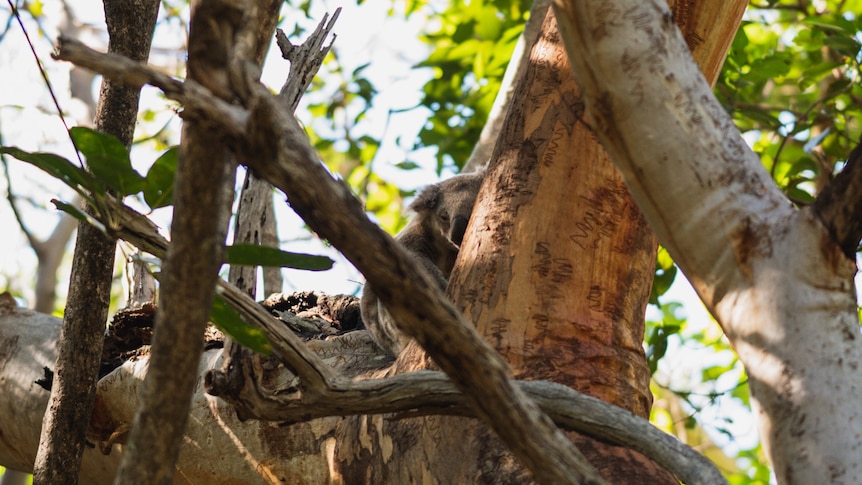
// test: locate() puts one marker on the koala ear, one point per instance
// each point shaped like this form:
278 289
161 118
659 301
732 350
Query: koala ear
427 200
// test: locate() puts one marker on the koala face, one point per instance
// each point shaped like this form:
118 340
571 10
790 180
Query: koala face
448 204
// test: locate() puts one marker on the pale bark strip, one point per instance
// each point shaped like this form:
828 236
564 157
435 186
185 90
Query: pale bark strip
202 198
491 131
767 272
130 28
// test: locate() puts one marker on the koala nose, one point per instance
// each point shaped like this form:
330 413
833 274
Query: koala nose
459 227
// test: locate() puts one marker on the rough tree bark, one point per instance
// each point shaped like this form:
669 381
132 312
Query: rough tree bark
202 198
774 277
130 28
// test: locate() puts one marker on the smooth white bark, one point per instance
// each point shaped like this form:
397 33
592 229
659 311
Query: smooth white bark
217 447
779 286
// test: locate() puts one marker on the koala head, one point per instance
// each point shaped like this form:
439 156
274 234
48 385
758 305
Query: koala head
447 205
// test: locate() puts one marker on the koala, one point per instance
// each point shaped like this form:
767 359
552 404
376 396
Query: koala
433 237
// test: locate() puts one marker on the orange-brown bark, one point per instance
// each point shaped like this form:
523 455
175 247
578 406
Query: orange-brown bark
708 27
555 272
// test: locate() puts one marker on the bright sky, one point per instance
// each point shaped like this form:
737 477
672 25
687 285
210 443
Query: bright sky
364 34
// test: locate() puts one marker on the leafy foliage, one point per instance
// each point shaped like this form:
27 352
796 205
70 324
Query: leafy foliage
108 160
159 186
792 83
471 50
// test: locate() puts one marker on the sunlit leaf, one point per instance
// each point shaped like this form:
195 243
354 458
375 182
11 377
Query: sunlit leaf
231 323
159 188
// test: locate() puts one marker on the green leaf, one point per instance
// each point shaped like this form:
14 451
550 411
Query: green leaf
159 188
60 168
231 323
79 214
108 159
407 165
254 255
488 25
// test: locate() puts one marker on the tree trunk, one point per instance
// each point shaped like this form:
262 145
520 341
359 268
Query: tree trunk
555 272
76 371
775 278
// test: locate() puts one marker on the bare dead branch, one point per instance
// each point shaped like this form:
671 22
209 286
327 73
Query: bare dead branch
132 73
305 59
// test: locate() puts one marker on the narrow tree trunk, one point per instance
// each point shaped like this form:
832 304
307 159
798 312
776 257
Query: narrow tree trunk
202 200
61 444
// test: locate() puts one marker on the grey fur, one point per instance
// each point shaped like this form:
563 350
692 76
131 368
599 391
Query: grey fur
433 237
